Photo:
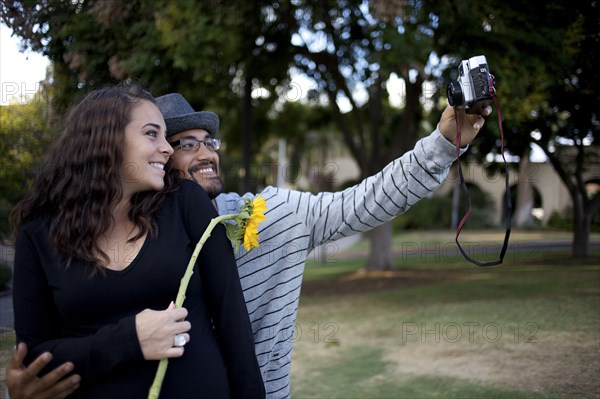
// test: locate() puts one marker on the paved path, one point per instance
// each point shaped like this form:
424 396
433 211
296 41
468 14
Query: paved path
6 312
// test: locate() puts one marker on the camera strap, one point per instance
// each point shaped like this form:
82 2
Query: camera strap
466 190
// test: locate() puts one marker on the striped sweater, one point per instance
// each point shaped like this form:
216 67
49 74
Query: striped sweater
297 222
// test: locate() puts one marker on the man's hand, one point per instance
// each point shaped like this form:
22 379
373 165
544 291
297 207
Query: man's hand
23 383
470 124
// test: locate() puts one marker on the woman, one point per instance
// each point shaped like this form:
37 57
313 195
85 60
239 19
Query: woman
103 239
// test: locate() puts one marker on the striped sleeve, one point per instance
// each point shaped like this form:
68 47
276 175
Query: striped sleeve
381 197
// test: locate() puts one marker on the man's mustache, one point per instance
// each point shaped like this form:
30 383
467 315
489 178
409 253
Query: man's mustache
203 165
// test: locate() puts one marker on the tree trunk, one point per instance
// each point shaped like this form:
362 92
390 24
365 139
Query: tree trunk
581 227
380 252
245 183
380 255
525 196
380 249
582 211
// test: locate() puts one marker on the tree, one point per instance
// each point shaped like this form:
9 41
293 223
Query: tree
218 53
244 45
218 56
213 52
548 75
350 55
571 113
24 135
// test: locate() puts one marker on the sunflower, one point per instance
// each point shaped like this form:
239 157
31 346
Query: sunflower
244 229
257 215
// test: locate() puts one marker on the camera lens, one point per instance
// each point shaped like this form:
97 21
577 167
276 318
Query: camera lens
455 94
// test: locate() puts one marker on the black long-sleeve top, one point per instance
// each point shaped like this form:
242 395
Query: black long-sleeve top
91 320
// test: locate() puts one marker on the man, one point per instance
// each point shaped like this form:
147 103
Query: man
297 222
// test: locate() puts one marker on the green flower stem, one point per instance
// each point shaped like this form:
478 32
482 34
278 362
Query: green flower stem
185 280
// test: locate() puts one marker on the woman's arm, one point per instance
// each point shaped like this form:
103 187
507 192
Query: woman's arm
146 335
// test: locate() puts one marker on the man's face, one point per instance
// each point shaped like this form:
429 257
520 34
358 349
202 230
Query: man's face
202 165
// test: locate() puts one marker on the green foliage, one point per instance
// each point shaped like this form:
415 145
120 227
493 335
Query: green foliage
216 53
5 228
547 80
5 275
435 212
560 220
24 136
235 231
429 213
564 220
482 207
343 50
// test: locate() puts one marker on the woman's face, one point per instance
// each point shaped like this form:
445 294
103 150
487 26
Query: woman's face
146 150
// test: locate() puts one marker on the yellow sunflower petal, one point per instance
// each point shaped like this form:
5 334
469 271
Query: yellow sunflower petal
251 237
259 206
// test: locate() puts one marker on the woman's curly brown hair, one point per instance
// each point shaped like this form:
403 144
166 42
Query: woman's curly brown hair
79 181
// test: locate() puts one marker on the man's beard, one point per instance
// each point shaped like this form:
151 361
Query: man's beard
212 185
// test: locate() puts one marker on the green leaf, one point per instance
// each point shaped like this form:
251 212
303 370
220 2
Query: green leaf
231 230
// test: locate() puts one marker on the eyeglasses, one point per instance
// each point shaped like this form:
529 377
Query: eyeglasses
193 145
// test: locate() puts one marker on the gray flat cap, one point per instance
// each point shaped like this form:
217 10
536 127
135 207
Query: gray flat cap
180 116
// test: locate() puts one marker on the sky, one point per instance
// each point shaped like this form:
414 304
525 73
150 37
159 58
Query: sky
20 72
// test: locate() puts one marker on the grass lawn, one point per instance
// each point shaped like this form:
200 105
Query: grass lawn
440 327
7 348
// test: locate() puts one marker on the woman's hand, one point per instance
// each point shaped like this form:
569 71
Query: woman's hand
470 124
156 332
24 383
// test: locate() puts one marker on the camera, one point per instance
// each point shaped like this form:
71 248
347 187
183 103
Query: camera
474 87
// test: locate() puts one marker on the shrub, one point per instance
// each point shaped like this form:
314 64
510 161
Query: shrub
5 275
435 212
564 220
560 220
429 213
